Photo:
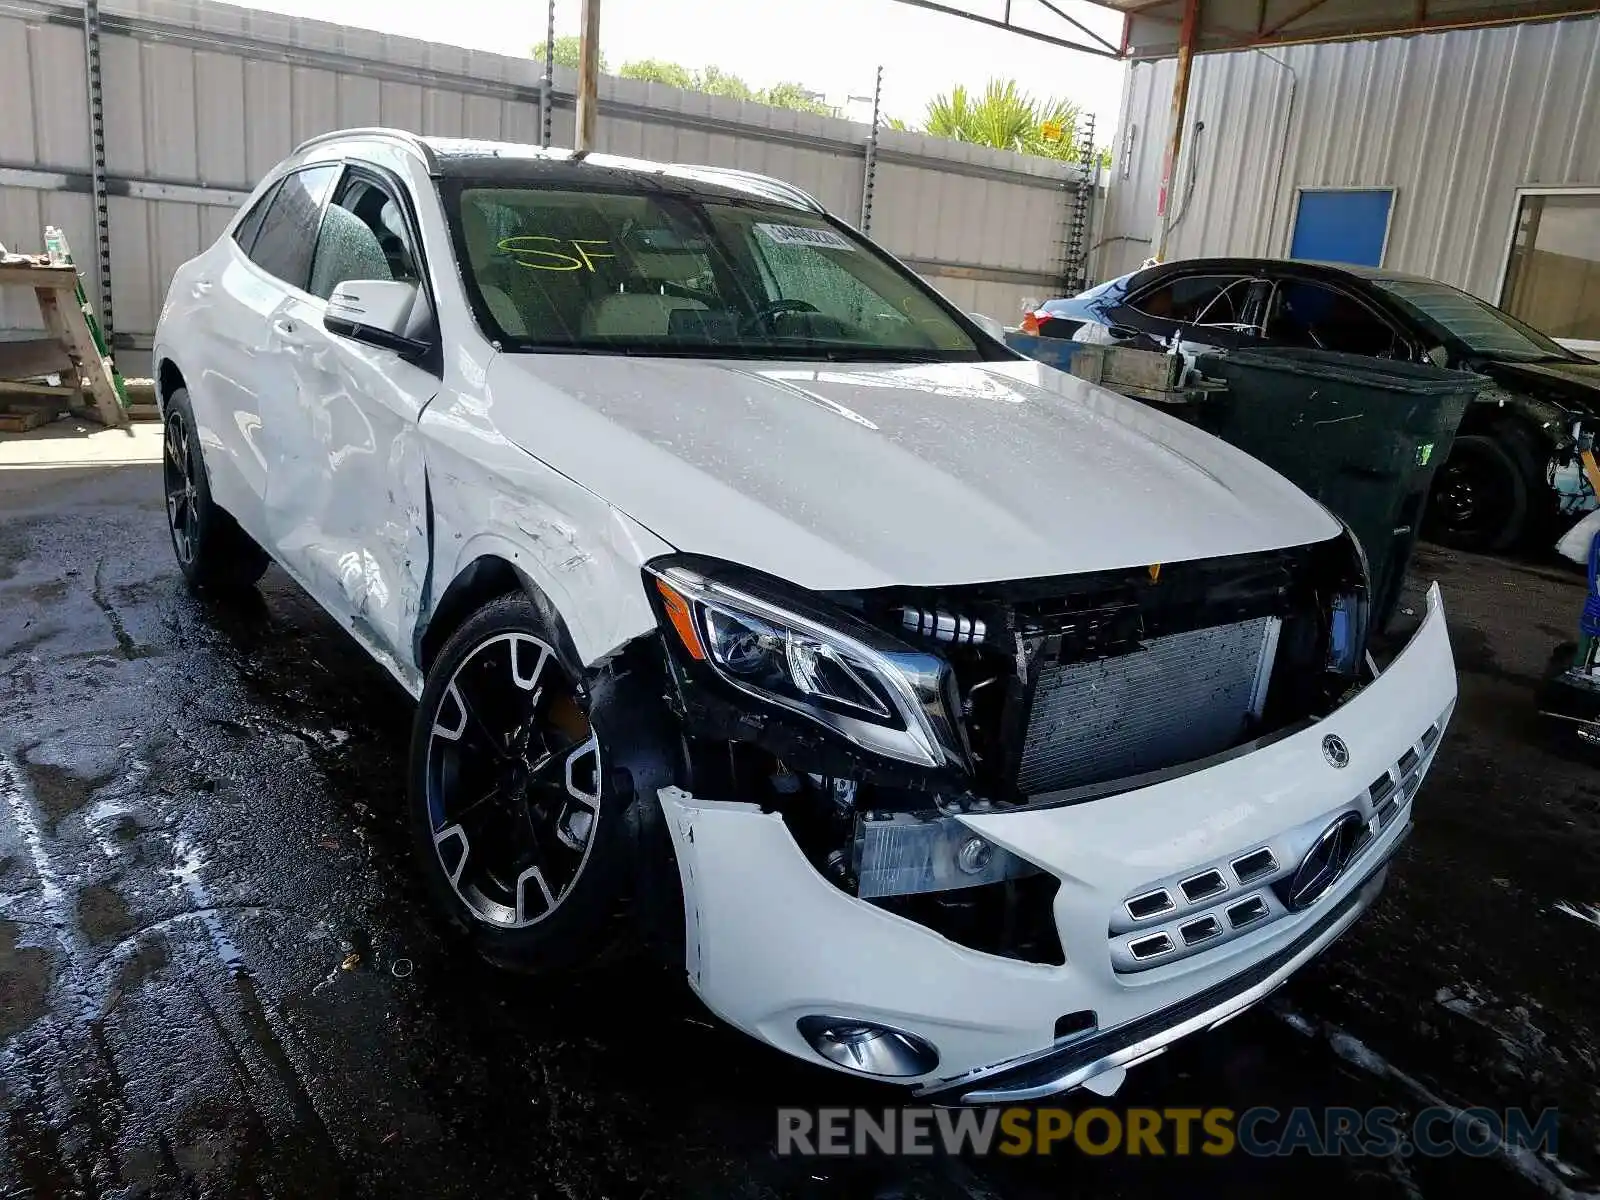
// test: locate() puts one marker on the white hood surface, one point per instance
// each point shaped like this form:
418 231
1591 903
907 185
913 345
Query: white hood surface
843 476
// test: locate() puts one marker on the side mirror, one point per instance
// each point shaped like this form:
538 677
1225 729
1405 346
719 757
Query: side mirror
989 325
379 312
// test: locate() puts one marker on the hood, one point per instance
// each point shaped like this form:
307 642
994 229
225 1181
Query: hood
858 476
1574 383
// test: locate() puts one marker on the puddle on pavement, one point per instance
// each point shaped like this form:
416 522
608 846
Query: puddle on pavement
25 974
103 915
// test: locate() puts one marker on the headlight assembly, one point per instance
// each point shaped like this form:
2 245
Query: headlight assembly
1349 611
886 698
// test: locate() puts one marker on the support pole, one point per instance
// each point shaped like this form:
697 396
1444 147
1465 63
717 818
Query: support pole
97 161
547 85
872 157
1180 113
588 75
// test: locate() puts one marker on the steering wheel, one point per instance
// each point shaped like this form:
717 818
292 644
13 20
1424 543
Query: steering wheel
775 308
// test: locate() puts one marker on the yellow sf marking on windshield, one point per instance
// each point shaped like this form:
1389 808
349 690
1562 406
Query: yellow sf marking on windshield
554 260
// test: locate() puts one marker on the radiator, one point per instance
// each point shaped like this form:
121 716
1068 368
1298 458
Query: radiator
1177 698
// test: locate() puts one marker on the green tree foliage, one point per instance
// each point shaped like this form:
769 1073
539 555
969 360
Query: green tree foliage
715 81
1007 118
655 70
796 96
568 51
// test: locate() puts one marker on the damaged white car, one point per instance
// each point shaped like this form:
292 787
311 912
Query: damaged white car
955 722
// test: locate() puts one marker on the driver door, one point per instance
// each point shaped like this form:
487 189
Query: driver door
347 492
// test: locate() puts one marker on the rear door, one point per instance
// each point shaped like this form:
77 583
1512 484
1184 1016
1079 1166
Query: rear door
1206 308
238 293
346 492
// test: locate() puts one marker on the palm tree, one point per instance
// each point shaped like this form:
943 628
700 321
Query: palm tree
1006 118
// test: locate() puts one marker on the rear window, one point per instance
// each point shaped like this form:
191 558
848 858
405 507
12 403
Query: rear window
1199 300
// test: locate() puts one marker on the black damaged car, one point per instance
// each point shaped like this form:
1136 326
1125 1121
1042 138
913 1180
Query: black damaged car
1513 473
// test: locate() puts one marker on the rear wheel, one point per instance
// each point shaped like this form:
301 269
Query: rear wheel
1485 493
212 551
519 828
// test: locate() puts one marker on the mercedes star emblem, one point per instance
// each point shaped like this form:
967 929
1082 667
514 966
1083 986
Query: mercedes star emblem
1335 751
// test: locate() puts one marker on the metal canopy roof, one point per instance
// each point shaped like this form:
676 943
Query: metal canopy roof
1152 28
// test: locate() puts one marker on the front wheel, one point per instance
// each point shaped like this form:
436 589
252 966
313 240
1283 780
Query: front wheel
1481 496
519 829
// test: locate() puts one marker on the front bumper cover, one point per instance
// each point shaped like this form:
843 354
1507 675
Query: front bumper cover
769 941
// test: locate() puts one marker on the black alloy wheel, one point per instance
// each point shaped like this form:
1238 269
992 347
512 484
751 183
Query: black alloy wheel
178 477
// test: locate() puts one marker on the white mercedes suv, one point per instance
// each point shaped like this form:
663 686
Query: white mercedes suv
950 720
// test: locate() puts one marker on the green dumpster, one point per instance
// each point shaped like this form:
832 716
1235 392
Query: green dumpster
1362 435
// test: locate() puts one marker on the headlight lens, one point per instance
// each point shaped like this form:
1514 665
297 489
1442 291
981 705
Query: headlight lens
786 663
893 702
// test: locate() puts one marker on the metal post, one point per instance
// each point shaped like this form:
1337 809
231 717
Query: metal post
97 159
588 75
872 156
1180 112
547 85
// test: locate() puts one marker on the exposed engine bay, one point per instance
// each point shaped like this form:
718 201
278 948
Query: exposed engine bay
867 719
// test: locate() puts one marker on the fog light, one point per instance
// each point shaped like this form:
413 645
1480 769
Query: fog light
868 1048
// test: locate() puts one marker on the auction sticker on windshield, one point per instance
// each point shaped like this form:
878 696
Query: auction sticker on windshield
803 235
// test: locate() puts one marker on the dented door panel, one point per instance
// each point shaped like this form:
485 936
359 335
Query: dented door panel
346 501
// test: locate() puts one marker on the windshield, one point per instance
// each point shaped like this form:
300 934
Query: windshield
1481 328
689 274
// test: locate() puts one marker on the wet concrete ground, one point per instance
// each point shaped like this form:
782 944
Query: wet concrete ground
218 977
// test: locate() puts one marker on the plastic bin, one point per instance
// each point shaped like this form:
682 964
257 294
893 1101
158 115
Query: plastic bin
1362 435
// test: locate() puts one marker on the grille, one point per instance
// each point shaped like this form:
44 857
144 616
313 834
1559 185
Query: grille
1178 698
1170 919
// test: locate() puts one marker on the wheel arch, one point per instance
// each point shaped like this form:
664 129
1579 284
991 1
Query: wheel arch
169 378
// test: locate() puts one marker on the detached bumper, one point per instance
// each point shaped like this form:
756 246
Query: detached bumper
771 942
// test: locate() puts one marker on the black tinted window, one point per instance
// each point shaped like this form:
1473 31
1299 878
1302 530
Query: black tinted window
245 232
1199 300
1310 315
289 230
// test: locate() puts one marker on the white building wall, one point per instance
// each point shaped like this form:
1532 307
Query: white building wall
1455 122
202 98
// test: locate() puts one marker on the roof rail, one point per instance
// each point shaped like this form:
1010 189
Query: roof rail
763 182
407 139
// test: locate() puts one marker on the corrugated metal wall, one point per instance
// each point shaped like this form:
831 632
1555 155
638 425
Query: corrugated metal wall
1455 122
203 98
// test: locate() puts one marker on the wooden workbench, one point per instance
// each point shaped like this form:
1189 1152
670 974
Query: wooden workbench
69 350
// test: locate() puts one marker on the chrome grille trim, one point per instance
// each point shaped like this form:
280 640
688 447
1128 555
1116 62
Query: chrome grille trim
1180 907
1154 946
1248 868
1162 904
1203 886
1247 911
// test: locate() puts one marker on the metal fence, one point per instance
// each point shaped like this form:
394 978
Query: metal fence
200 99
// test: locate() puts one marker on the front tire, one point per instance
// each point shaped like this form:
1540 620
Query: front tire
212 551
519 826
1484 493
